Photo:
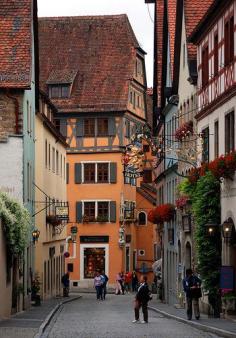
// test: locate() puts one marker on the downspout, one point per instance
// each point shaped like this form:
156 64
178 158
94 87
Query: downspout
17 109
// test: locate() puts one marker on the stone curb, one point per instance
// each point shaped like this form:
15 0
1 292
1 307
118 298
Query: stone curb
211 329
49 317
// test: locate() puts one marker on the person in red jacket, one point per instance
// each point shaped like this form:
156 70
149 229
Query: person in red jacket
128 279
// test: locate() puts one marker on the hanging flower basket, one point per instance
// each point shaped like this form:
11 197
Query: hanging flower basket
162 213
184 131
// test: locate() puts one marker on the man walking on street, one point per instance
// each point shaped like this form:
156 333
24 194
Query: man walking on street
104 284
66 284
192 289
98 285
141 300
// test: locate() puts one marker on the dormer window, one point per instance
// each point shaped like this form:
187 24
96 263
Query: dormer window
59 91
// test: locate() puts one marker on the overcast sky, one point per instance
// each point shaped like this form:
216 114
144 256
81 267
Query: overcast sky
140 18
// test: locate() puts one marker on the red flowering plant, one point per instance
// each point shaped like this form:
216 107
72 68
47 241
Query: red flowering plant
184 130
162 213
223 166
181 202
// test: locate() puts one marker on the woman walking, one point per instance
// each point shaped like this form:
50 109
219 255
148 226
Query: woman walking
98 285
141 300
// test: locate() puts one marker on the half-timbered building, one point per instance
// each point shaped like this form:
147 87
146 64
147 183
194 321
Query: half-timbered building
94 72
215 39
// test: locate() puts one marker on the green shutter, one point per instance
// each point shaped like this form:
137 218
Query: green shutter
79 214
111 127
67 173
80 128
63 127
113 172
78 173
113 211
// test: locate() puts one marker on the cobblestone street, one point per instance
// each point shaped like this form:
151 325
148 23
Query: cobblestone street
89 318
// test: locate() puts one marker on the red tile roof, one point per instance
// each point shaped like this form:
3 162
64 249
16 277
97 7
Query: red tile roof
15 43
194 11
97 53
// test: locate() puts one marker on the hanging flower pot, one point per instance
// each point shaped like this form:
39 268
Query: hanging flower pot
181 202
162 213
53 220
184 131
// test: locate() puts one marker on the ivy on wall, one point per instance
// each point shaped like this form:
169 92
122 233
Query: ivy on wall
16 224
205 198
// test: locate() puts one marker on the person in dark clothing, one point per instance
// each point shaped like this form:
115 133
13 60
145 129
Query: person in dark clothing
105 279
192 289
141 300
134 282
66 284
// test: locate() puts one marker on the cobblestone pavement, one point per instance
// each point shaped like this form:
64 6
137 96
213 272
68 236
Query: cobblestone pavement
89 318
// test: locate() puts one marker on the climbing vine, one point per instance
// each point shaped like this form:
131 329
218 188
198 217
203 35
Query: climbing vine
16 224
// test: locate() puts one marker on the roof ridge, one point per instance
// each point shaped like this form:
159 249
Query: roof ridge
55 18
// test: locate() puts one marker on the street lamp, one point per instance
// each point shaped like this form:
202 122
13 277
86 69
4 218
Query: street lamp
228 229
35 235
211 229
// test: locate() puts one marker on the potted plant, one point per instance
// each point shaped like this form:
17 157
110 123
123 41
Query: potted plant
184 131
229 301
85 219
35 288
102 219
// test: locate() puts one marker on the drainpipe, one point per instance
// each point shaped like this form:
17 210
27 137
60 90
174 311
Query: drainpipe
16 103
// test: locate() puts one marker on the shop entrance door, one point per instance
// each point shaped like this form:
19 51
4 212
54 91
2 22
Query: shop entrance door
94 259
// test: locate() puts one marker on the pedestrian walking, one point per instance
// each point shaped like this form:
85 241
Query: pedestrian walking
142 298
127 281
192 289
98 285
134 282
105 279
66 284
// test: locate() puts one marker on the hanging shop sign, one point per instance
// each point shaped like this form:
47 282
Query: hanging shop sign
62 212
132 172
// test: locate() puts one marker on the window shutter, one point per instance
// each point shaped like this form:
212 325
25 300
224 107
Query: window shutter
113 211
113 172
80 128
111 127
127 128
67 173
79 215
63 127
78 173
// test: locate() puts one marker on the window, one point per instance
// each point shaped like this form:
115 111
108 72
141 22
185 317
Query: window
216 138
129 210
103 211
205 66
229 41
49 156
57 162
142 218
59 91
61 166
89 127
147 176
102 129
102 172
89 210
141 252
99 172
131 96
216 55
53 159
89 173
229 132
46 153
205 146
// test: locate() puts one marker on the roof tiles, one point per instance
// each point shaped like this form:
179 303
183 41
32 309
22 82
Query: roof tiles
15 43
102 52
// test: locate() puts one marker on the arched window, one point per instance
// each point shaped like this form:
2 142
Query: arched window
142 218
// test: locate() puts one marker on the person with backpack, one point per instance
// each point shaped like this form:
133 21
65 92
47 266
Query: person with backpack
104 284
142 298
192 289
66 284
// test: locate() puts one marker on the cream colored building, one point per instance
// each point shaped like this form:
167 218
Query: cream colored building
50 181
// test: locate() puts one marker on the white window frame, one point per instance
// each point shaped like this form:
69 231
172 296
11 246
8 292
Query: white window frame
139 250
96 207
96 171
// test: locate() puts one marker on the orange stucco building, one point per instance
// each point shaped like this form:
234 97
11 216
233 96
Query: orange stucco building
93 70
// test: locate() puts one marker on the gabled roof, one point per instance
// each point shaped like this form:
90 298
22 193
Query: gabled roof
102 52
194 11
15 43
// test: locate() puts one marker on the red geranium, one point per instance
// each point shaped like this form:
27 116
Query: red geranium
162 213
184 130
181 202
